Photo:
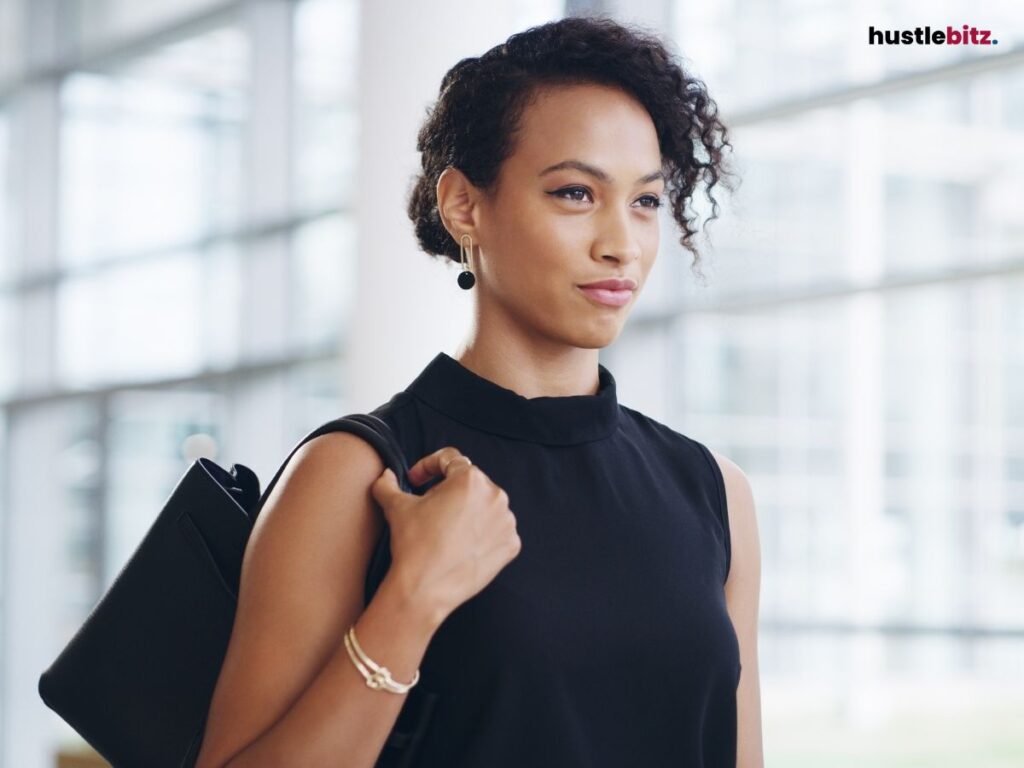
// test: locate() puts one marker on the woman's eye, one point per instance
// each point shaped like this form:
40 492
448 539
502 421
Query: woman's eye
652 200
570 191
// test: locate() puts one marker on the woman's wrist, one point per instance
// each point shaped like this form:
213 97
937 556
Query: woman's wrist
404 598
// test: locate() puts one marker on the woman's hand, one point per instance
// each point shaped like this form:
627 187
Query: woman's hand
449 543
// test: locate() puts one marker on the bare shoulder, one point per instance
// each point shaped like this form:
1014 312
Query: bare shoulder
323 493
302 584
739 498
321 466
743 594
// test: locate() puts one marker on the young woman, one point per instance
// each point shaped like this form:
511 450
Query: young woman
573 584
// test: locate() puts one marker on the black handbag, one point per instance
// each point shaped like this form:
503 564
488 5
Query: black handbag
136 679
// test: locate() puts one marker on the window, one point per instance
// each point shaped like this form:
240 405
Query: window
856 351
180 286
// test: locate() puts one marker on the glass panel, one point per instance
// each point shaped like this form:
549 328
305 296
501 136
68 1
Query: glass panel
326 86
9 346
221 299
952 191
891 701
766 389
6 244
314 397
155 435
884 438
753 54
4 494
1011 105
528 13
323 294
955 435
154 438
270 412
51 553
1012 396
928 223
10 40
152 150
81 463
790 232
857 191
643 365
927 418
91 23
140 321
1000 184
785 227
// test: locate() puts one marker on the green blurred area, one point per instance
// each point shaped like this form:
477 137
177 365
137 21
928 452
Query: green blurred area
942 731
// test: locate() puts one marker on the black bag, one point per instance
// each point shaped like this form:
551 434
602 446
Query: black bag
137 678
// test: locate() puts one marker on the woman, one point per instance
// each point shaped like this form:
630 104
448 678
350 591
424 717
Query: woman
574 583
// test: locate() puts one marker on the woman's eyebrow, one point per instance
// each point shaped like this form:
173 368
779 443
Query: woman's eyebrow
597 173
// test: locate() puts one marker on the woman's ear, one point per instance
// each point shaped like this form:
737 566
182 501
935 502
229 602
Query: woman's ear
457 203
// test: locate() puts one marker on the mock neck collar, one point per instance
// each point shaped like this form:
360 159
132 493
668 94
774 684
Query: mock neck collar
451 388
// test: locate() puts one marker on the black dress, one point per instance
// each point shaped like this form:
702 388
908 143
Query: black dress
606 642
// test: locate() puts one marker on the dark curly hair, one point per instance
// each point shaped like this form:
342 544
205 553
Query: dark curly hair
481 102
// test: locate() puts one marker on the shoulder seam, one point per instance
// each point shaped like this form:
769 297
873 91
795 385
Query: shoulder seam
397 402
723 512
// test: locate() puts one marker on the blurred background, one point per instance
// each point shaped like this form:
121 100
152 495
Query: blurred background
204 252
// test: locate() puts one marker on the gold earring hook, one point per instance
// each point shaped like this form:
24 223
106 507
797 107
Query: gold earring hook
466 278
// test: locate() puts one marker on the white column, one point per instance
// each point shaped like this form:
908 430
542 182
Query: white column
864 426
408 306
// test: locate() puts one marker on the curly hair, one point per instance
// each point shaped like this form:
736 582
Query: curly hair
482 99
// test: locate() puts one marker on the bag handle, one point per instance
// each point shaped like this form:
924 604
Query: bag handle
368 426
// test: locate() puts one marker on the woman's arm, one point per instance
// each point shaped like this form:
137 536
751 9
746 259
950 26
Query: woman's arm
288 693
742 594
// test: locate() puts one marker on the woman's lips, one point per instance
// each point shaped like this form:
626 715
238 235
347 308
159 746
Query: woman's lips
607 296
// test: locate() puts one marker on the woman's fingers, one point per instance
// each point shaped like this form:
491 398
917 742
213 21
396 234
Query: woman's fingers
385 488
443 461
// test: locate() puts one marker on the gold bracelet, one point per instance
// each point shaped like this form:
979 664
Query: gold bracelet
380 678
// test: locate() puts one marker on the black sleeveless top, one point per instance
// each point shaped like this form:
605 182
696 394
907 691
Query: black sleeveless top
605 643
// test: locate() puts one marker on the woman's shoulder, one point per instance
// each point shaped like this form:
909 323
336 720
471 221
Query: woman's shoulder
682 451
396 409
663 433
405 420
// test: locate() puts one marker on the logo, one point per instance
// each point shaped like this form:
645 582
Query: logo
927 36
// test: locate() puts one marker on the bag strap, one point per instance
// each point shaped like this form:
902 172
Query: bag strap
368 426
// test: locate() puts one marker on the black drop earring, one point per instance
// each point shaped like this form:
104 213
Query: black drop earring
466 278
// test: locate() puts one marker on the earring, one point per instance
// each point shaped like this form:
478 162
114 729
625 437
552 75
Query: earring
466 278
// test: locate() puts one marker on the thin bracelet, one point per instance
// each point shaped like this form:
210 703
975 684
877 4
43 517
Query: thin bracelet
380 679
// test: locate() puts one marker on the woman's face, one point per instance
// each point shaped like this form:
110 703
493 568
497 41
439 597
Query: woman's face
553 225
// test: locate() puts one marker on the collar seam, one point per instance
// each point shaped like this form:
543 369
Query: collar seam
615 427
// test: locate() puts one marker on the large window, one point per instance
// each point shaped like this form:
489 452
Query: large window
151 150
178 286
856 350
7 357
